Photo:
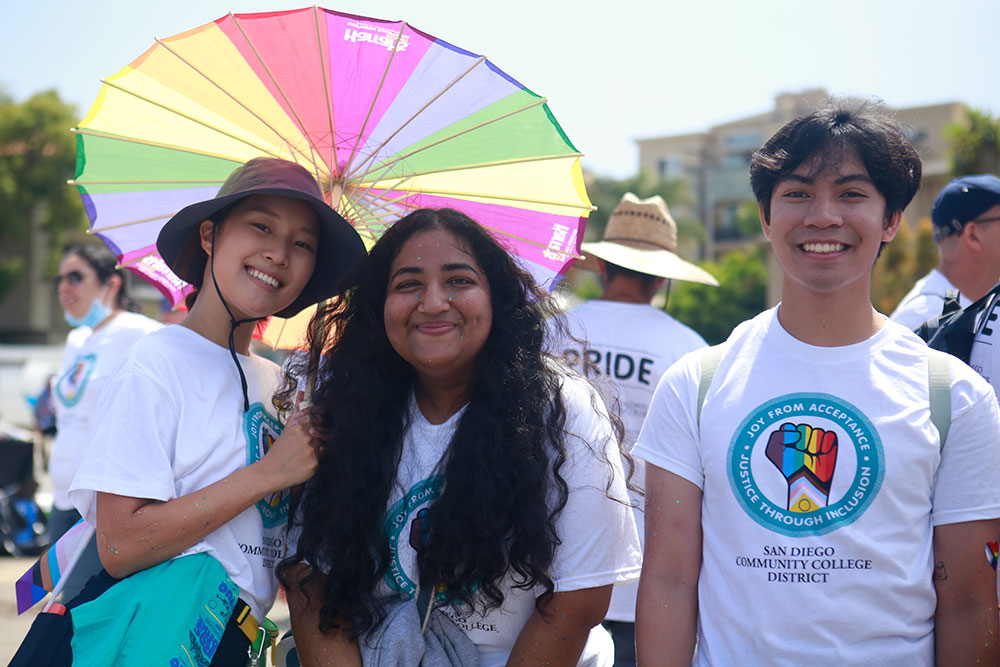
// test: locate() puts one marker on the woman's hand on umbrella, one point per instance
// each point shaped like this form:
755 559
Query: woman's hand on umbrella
293 457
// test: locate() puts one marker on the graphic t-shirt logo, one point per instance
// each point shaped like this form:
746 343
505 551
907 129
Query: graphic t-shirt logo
406 524
70 387
805 464
261 430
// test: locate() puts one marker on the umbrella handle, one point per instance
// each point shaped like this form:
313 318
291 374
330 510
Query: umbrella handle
314 356
57 589
307 392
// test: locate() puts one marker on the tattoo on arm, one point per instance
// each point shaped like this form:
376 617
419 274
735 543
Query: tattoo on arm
940 573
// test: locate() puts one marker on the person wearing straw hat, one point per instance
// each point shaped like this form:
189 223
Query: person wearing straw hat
625 343
821 486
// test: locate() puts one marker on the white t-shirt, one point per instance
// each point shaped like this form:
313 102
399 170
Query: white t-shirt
599 541
88 361
627 348
844 577
925 300
172 422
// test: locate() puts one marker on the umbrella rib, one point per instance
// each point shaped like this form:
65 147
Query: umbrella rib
538 244
378 204
154 181
155 144
394 162
371 219
327 96
298 121
189 117
222 90
485 165
378 91
526 200
417 113
125 265
363 190
95 230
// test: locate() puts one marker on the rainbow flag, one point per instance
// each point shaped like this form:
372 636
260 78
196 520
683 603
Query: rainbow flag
992 553
44 576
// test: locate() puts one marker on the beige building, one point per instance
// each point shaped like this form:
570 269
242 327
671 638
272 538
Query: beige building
716 161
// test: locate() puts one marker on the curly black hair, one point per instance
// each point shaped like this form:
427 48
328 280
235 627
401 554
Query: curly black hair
509 443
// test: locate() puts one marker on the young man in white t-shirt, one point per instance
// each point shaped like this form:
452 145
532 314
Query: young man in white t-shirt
805 503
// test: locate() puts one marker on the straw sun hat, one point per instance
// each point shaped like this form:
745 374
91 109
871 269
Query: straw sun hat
642 236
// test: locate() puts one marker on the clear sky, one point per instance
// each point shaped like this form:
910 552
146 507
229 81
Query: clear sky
612 71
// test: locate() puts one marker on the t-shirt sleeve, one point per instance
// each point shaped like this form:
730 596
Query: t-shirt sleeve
669 438
131 453
599 541
966 487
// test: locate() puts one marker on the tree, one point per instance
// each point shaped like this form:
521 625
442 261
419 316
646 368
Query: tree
741 294
909 257
605 193
37 157
975 144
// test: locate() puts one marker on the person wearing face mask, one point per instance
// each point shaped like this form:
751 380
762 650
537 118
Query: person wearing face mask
95 302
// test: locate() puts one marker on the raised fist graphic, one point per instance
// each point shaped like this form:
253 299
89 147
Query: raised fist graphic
806 457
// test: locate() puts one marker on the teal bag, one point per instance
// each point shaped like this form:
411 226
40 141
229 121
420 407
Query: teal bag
171 614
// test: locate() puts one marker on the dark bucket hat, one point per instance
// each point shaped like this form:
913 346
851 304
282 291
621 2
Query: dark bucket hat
340 247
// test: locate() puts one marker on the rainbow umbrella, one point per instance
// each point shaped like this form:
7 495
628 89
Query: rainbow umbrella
388 118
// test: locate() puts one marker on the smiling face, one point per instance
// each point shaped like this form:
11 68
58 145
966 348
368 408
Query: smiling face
265 254
438 313
826 226
76 299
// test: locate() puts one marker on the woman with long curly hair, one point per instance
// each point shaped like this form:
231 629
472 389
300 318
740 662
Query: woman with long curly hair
459 459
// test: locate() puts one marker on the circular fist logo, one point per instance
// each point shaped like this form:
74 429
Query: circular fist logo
805 464
261 430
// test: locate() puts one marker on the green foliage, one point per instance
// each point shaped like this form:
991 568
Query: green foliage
37 157
714 311
908 258
975 144
605 193
748 220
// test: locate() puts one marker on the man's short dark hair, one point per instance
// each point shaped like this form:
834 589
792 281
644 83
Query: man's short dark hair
611 270
878 139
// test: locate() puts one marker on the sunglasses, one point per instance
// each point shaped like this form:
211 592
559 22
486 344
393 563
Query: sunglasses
74 278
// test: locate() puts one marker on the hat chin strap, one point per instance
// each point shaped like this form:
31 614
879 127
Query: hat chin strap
233 325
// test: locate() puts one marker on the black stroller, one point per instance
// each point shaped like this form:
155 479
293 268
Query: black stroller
22 522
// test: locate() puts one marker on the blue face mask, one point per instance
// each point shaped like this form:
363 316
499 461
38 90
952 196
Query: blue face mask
97 313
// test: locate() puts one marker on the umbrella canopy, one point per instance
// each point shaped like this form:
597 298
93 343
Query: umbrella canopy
388 118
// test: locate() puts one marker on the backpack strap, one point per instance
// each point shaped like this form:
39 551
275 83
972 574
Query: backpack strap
710 358
952 302
939 386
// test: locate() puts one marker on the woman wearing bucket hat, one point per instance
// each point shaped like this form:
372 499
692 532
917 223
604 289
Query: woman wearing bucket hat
624 344
187 482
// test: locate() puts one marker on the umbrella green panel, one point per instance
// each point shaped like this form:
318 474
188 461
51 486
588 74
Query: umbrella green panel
115 164
516 128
